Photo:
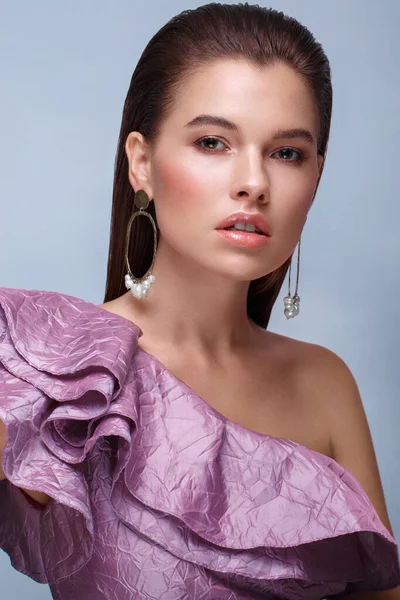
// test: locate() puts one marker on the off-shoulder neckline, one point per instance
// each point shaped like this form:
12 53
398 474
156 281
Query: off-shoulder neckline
138 332
222 417
192 392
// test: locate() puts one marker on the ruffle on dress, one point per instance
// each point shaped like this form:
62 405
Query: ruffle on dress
267 513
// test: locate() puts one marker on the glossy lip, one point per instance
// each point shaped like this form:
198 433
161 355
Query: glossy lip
244 239
255 218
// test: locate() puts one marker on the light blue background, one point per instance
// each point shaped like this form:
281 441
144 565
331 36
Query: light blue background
65 69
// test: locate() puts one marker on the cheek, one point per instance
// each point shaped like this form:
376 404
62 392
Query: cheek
185 194
180 197
296 192
177 186
290 204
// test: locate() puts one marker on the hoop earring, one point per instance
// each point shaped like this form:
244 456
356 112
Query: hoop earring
292 303
140 286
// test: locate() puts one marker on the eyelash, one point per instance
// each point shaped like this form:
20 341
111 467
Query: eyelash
297 161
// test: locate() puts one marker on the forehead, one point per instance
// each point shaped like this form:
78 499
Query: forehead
249 95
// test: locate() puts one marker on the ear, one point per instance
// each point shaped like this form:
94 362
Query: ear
138 155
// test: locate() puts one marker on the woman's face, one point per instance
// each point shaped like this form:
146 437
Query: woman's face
199 174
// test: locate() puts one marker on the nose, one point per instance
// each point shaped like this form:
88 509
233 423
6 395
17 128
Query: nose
251 181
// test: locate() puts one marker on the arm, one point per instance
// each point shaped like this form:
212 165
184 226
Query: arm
352 443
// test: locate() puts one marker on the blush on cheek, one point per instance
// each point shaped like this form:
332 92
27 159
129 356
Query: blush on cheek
178 186
181 206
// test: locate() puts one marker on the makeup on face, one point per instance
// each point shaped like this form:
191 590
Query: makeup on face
242 141
244 239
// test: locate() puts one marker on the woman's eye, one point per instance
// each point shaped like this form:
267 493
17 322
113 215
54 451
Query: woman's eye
210 144
290 155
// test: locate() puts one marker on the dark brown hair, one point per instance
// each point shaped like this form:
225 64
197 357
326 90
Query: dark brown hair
188 41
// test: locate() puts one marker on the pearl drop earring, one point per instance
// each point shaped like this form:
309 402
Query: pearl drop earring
292 303
140 286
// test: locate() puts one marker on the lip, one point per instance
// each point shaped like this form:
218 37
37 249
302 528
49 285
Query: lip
255 219
243 239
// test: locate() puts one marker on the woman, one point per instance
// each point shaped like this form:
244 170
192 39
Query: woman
165 444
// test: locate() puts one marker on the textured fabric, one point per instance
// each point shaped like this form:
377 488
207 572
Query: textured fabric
154 494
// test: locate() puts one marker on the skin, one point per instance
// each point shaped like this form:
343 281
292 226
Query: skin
201 280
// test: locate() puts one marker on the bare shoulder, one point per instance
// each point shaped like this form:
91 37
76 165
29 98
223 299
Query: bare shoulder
328 379
315 368
318 371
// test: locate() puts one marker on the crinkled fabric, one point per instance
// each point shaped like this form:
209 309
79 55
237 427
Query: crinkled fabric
154 494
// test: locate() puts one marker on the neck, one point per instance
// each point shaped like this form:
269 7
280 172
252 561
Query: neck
193 310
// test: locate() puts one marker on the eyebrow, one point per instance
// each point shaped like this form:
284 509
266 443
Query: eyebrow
292 133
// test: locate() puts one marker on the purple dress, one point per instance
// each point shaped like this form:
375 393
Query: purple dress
154 494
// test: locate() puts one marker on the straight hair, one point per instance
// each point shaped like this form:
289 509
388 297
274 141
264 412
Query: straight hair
188 41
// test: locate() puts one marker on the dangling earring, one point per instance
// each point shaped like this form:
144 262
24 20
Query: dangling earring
292 303
140 287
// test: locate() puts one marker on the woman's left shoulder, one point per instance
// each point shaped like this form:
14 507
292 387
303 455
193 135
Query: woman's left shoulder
328 380
314 366
311 365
